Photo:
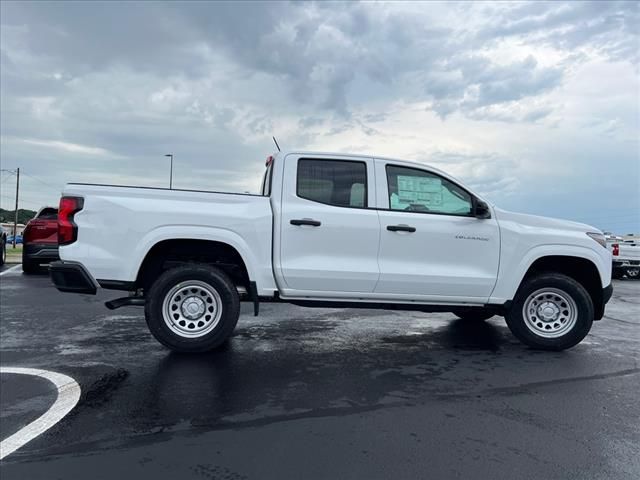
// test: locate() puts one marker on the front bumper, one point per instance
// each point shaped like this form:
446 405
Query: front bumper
607 292
72 277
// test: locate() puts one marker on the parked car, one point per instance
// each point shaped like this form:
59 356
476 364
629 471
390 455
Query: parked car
18 240
40 240
331 230
3 246
626 257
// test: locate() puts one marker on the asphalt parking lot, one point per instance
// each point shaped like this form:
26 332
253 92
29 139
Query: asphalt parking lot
317 393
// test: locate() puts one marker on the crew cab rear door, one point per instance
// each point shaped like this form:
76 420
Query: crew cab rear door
432 247
329 232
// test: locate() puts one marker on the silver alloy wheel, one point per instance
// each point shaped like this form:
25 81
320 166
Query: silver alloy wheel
549 312
192 309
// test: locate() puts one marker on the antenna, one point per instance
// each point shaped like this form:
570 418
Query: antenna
276 142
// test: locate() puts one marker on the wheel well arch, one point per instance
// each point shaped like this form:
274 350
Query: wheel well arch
167 254
581 269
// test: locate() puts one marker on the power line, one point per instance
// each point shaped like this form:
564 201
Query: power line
8 198
42 181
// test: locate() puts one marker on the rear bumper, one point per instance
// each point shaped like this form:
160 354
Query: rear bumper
72 277
626 263
41 252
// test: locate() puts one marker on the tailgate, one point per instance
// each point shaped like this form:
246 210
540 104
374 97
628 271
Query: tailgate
41 231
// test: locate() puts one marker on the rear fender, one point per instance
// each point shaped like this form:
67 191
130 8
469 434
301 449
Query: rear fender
214 234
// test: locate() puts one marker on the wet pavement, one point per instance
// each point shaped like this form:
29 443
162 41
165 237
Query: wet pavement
22 400
319 393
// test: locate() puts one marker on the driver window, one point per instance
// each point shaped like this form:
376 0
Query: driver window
415 190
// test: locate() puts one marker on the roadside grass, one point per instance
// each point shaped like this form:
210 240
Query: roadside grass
14 255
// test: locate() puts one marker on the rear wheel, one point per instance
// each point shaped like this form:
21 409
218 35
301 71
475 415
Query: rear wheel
551 312
29 267
3 252
473 314
194 308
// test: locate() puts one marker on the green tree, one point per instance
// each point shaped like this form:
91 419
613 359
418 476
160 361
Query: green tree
23 215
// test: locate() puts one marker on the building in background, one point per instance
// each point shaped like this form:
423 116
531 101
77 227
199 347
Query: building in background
8 227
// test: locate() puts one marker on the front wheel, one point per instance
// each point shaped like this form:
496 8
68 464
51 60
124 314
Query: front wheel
551 311
194 308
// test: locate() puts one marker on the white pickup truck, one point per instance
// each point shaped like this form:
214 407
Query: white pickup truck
626 257
331 230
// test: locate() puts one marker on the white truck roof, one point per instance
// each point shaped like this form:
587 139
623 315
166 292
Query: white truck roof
355 156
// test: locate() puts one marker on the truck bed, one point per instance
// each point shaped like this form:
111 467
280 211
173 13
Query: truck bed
137 218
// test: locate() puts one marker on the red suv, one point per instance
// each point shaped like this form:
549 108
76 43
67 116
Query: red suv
40 240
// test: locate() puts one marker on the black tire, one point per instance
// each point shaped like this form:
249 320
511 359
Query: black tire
633 273
567 285
473 314
617 273
3 252
29 267
216 280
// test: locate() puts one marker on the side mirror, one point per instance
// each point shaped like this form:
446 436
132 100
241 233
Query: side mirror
481 209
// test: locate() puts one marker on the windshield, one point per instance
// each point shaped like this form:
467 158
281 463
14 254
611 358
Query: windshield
48 213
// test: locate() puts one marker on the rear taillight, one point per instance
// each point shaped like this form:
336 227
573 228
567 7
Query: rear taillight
615 249
67 229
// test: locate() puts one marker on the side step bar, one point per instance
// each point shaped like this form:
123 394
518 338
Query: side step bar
135 301
125 302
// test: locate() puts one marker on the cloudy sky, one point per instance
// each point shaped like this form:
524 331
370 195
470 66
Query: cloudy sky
537 105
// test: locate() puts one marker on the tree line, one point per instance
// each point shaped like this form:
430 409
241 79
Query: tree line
24 215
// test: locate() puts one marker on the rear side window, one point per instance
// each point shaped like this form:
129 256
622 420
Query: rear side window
334 182
48 214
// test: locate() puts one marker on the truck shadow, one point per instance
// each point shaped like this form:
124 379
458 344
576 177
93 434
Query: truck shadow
459 334
238 385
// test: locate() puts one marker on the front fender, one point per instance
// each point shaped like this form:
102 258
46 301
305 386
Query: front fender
510 278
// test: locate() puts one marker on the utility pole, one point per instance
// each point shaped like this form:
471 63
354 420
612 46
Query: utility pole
15 221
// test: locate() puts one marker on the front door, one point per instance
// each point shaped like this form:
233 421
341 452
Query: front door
329 234
431 245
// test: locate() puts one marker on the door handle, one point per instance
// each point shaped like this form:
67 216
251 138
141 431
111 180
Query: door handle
305 221
401 228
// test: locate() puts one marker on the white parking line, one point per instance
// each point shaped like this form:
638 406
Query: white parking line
68 396
9 270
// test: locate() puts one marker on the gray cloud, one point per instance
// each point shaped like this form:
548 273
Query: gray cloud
608 26
211 82
473 82
319 50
